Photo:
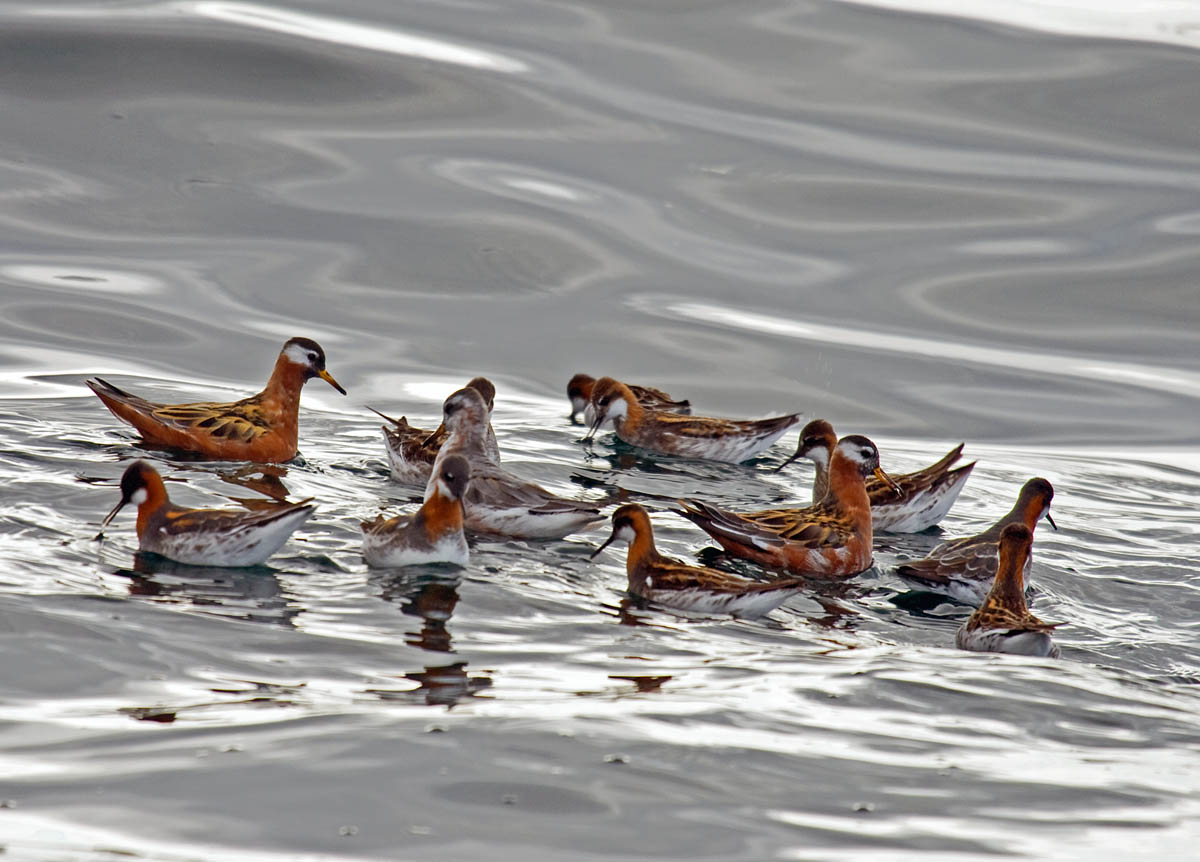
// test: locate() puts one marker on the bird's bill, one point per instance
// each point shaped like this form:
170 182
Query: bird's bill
1051 520
887 480
328 378
608 542
120 505
788 461
597 421
382 416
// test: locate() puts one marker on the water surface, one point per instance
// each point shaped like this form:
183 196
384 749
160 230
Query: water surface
923 228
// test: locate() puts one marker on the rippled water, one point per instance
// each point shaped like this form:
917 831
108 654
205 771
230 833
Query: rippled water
925 229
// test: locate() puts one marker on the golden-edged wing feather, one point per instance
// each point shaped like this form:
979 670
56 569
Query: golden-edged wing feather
702 427
992 617
813 527
972 558
179 521
669 574
410 437
386 525
244 420
656 399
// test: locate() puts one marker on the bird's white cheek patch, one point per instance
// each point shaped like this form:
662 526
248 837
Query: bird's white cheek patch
139 497
297 354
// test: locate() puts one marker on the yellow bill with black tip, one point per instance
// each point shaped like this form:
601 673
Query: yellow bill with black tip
328 378
887 480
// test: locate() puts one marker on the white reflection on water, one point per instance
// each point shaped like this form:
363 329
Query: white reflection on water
86 278
370 37
1174 22
1142 376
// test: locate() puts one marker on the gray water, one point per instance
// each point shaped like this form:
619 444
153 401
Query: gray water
924 229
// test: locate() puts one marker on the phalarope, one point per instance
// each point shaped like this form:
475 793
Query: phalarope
433 534
203 537
831 539
411 451
924 498
675 584
964 569
1003 623
497 501
259 428
729 440
579 392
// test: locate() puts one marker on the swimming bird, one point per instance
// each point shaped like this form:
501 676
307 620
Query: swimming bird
579 391
433 534
924 498
498 501
411 451
203 537
1003 623
675 584
830 540
728 440
964 569
262 427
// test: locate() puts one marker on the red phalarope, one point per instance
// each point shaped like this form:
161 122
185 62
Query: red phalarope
260 428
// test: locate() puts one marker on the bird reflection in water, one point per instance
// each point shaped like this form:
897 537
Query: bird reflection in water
432 601
265 479
644 684
836 597
251 593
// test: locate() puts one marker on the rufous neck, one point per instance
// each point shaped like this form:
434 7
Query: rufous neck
1031 513
846 483
156 500
641 551
442 514
1008 590
287 379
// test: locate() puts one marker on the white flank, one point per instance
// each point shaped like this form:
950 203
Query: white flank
1004 640
520 523
247 545
919 512
744 605
391 550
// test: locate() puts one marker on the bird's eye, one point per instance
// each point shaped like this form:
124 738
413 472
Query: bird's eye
604 402
312 357
866 453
